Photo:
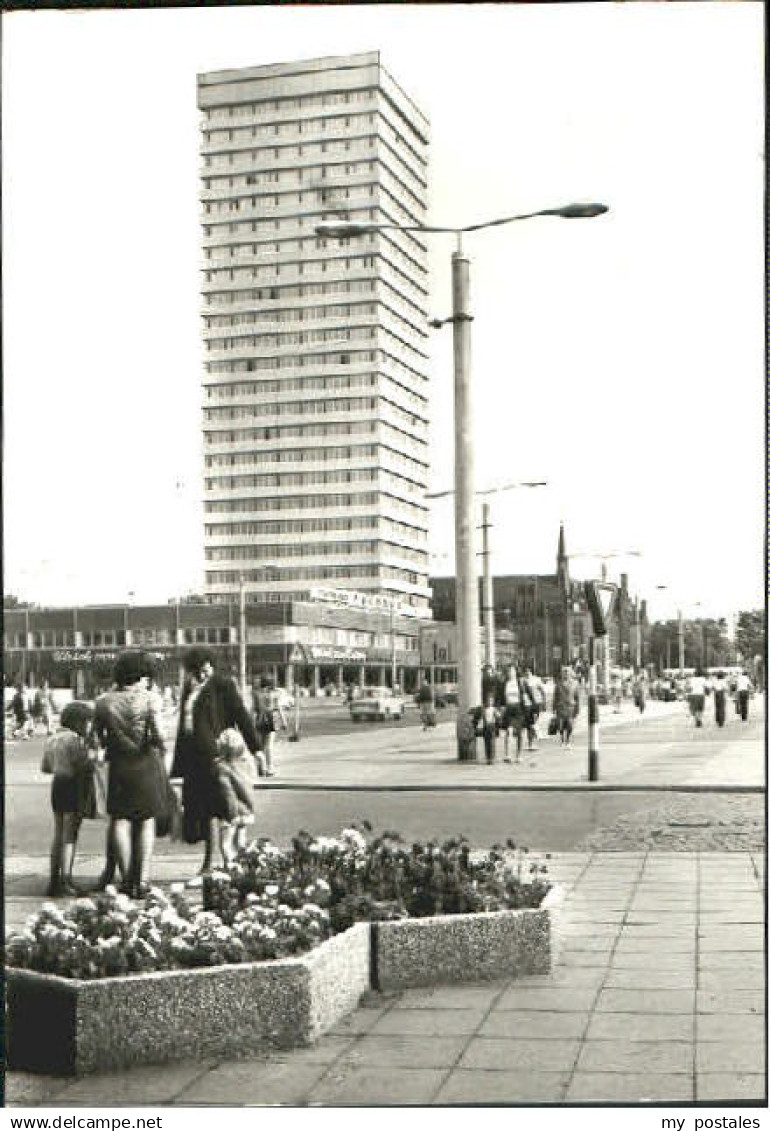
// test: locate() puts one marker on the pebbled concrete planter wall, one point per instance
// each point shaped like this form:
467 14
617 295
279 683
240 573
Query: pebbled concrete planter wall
66 1026
462 948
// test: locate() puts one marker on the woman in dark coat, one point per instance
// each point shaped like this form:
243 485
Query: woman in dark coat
210 704
126 726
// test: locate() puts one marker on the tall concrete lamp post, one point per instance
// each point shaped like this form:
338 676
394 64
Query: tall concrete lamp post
468 666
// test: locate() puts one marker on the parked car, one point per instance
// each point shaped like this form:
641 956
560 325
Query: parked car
377 703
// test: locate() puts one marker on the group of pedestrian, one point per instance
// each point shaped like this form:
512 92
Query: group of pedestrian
219 752
512 703
31 709
698 686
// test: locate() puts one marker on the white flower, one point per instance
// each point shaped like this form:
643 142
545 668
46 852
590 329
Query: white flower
85 905
177 888
272 889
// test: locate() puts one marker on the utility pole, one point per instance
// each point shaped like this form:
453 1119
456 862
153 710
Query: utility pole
681 641
488 602
392 646
467 592
242 636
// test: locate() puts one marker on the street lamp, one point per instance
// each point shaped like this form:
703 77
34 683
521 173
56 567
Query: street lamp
466 597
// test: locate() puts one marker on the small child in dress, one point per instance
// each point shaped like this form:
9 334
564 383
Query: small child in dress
66 756
236 774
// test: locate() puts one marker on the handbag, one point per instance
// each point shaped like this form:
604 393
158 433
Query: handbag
553 725
93 800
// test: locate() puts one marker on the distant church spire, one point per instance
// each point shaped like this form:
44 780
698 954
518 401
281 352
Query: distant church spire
562 561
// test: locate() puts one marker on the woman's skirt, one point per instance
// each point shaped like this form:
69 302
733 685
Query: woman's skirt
136 788
697 704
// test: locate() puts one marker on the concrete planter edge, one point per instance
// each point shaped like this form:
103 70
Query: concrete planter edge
447 949
74 1027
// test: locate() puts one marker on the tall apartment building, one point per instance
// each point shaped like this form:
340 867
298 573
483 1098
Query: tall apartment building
315 384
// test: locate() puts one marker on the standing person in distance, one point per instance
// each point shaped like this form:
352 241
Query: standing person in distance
268 710
640 691
566 705
743 689
210 704
719 687
533 705
516 695
696 696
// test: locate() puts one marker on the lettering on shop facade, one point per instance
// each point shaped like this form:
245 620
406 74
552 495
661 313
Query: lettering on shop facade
319 652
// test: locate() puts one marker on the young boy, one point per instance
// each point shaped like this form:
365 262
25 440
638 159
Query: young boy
66 757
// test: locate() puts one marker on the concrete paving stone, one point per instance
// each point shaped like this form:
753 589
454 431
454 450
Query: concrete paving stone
324 1051
429 1022
661 929
28 1089
645 1001
600 918
585 959
730 1001
558 999
653 944
368 1085
389 1051
144 1084
730 1027
650 979
248 1082
732 938
641 1027
534 1024
728 960
731 915
629 1088
586 929
521 1054
730 1056
358 1022
652 958
568 976
735 979
483 1086
663 903
583 942
466 996
724 1087
617 1055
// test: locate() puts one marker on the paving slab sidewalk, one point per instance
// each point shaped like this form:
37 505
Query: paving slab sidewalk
653 997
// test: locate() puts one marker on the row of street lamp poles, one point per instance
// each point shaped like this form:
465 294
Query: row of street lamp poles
466 593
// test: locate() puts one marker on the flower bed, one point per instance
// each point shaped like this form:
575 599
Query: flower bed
289 937
354 878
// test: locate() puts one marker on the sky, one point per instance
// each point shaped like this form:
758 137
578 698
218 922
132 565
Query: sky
620 359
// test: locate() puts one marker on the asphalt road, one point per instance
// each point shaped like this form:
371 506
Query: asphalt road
556 819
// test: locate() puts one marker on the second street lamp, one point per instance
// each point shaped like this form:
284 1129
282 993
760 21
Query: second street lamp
466 593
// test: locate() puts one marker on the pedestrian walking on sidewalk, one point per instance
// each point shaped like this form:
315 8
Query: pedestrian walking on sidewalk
719 687
20 706
535 703
268 715
518 698
696 696
742 691
66 757
566 705
487 721
640 692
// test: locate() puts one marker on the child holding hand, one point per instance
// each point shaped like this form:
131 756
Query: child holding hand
236 774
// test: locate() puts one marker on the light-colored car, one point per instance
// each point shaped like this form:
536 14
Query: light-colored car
377 703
